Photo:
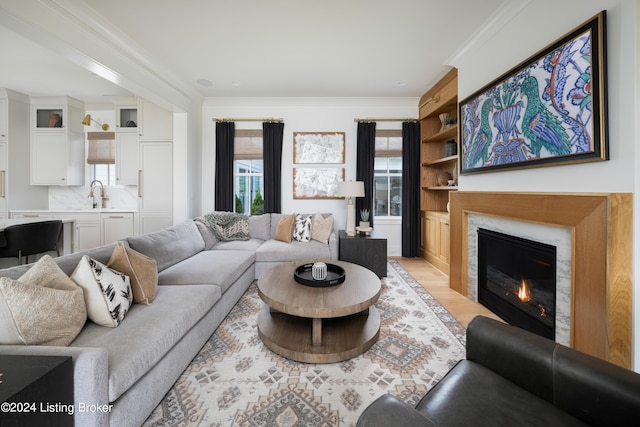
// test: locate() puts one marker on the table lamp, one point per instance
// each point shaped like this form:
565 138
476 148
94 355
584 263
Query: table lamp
349 190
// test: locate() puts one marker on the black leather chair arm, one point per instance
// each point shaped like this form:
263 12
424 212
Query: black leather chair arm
388 410
593 390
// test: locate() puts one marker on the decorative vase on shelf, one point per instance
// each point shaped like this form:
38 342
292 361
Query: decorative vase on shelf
450 148
445 119
443 178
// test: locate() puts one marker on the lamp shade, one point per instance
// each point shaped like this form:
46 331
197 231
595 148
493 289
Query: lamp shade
351 189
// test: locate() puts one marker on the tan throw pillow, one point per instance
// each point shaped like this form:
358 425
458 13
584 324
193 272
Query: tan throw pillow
321 228
43 307
141 269
284 229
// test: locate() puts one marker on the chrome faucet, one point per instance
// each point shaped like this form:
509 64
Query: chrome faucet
102 196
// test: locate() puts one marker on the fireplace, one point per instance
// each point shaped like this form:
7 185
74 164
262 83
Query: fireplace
517 280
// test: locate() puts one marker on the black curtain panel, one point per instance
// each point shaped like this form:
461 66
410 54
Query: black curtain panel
364 166
225 133
410 189
272 155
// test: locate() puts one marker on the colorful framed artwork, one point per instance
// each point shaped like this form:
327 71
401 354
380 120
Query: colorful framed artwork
318 147
549 110
316 183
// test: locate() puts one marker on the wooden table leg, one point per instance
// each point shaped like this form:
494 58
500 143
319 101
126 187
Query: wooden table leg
316 332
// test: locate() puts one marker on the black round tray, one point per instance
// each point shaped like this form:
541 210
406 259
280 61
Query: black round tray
335 276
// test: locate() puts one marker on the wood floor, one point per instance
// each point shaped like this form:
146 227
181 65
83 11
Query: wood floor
437 283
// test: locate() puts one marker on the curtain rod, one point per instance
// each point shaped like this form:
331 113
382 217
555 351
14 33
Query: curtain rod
385 120
248 120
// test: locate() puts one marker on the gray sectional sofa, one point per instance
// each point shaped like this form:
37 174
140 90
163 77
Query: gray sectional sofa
131 367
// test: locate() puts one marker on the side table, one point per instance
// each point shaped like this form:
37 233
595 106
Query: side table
368 251
36 390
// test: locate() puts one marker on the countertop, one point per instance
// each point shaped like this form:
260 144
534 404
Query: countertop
87 210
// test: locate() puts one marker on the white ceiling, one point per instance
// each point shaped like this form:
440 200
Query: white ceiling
247 48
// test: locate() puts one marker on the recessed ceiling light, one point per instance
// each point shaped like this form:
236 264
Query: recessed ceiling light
204 82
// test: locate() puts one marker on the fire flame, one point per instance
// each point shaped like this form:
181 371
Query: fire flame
523 293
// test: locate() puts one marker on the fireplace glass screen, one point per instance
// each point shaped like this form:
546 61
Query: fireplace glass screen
517 280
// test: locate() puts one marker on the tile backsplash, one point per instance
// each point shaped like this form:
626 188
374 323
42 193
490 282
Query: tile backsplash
77 197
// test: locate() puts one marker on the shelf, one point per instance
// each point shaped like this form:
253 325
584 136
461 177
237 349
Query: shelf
441 188
449 133
444 214
443 160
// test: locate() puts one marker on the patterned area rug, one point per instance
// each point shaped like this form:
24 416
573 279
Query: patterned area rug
236 381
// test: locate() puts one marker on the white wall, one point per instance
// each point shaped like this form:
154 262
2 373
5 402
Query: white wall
537 24
304 115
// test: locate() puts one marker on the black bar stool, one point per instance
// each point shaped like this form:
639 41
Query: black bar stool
31 239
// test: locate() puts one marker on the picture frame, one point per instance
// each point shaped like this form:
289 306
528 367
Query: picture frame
317 183
319 147
549 110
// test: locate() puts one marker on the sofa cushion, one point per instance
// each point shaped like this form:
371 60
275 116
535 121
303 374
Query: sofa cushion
275 220
321 227
148 333
221 268
240 245
107 293
209 238
275 250
260 226
43 307
141 269
302 229
489 397
284 229
171 245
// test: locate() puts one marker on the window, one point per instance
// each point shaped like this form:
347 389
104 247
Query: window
248 172
101 156
387 174
105 173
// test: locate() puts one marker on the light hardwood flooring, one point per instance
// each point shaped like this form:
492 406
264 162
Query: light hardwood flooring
437 283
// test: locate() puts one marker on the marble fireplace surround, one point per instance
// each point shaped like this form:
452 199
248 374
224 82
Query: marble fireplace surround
601 265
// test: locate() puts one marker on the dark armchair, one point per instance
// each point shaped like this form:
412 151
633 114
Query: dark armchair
512 377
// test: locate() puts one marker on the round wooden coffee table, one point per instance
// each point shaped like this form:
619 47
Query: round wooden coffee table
319 325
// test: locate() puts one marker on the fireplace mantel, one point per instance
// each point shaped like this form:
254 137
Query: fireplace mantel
601 229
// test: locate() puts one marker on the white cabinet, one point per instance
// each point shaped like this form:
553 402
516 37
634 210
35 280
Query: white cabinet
57 145
4 119
116 226
87 234
21 214
3 180
87 229
48 158
127 155
127 119
156 123
92 229
155 188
